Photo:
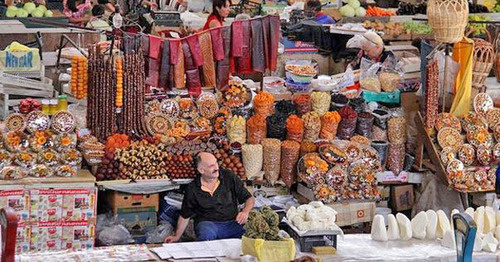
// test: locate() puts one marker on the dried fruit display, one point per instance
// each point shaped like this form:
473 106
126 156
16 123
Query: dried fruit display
289 156
13 173
15 122
63 122
470 120
48 157
482 103
312 126
311 169
477 136
329 124
25 159
449 137
41 140
320 102
119 82
396 130
333 154
294 128
117 141
16 141
40 171
65 141
207 105
252 156
256 129
448 120
272 159
347 125
236 129
37 121
170 108
263 103
466 154
302 103
235 95
79 77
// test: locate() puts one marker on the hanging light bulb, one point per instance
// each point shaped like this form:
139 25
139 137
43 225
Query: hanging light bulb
117 18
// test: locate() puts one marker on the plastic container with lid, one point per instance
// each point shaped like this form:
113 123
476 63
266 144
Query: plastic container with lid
53 106
295 87
62 103
46 106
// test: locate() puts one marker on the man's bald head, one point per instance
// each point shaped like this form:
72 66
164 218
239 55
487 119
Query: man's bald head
206 164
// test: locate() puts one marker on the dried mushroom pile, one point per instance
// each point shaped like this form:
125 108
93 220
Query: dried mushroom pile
263 224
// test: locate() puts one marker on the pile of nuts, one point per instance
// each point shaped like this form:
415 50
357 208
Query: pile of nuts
230 160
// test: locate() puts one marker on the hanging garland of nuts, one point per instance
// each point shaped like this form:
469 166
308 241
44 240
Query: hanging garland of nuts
101 119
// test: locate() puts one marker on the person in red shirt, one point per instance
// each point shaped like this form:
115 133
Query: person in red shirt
220 11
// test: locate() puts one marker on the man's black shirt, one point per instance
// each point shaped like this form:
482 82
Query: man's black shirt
222 206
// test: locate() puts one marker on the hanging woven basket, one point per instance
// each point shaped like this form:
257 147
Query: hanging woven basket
483 59
448 19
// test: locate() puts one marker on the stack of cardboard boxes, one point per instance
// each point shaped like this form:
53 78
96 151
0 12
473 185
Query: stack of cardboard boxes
136 212
52 218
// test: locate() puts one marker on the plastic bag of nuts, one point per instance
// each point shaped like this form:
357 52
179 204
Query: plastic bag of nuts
256 129
252 160
364 124
389 80
395 158
347 125
289 156
396 130
312 126
272 159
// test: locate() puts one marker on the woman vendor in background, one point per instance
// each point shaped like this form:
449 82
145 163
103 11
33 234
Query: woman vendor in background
77 12
372 48
220 11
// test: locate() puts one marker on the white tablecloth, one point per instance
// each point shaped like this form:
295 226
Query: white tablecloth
360 247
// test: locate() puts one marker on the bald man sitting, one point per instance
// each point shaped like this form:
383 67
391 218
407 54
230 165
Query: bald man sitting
212 199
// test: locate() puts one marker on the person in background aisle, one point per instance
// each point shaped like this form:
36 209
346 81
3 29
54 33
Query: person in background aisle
77 12
372 48
97 21
109 8
321 17
212 199
220 10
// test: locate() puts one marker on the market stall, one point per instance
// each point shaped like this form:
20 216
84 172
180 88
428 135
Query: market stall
325 154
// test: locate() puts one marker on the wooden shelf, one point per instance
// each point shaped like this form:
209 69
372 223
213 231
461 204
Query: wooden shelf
83 176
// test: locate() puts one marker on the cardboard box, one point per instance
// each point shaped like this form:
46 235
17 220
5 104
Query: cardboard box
79 204
118 200
260 188
19 200
78 235
402 197
46 205
23 238
138 223
46 236
353 212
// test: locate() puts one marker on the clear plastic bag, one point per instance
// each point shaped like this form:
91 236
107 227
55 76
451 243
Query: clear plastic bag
236 129
294 128
256 129
252 156
396 130
276 126
289 156
347 125
110 232
396 158
364 124
320 102
272 159
312 126
302 103
159 234
369 79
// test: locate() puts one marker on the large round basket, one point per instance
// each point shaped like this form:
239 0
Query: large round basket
448 19
483 59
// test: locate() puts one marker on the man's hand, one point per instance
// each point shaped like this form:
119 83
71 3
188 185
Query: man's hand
172 239
242 217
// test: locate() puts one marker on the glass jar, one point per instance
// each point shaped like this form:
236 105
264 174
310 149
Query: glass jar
62 103
53 106
46 106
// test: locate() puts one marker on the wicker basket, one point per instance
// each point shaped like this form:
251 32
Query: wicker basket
496 46
448 19
484 57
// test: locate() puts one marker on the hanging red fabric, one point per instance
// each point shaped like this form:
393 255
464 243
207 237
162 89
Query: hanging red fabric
275 32
217 43
194 46
244 63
